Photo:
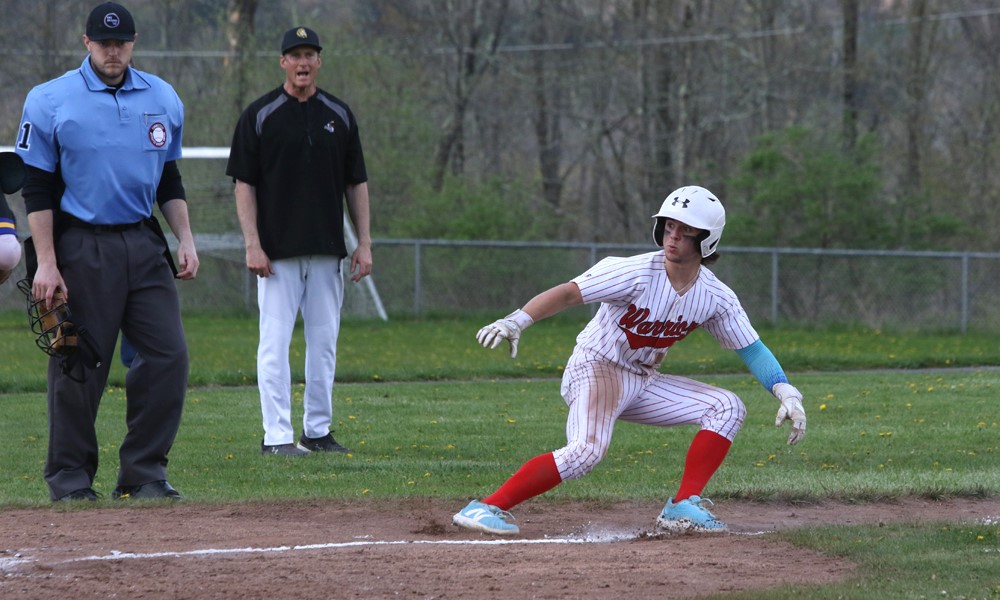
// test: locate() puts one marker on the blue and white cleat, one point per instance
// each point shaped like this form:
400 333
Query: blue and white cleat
689 515
485 517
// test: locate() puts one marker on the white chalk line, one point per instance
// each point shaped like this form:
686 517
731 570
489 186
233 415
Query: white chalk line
9 564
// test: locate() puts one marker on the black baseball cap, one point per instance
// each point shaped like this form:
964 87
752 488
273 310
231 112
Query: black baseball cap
110 21
299 36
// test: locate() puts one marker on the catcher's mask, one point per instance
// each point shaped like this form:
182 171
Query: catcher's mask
59 336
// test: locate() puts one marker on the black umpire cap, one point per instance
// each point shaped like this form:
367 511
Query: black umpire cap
299 36
110 21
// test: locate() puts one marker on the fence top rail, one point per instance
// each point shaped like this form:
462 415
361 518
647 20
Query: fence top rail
647 247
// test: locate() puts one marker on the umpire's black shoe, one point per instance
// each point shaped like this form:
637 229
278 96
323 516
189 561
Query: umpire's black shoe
147 491
87 494
321 444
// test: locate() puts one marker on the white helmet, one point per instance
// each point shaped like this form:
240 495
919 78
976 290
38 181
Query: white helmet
694 206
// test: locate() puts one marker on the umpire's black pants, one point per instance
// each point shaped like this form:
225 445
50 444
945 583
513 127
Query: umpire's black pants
118 280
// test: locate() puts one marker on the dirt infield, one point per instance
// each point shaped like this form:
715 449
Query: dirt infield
337 549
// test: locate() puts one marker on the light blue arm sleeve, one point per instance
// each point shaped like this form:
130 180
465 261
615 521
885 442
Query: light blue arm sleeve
762 364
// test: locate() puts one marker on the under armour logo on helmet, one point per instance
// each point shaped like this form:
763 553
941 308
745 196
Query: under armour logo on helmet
683 203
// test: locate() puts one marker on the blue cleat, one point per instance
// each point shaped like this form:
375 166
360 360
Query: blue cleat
689 515
485 517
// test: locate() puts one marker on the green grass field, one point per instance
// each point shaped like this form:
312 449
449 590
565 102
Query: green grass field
429 413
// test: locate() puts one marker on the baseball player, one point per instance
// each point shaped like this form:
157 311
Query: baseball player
11 179
649 303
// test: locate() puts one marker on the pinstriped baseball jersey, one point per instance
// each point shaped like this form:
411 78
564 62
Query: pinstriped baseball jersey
642 316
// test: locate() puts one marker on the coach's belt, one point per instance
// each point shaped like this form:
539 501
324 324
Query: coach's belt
74 222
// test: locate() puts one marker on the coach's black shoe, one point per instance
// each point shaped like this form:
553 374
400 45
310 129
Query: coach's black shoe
282 450
321 444
87 494
154 490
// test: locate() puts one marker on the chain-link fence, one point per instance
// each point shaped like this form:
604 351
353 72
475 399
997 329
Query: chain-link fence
881 289
949 291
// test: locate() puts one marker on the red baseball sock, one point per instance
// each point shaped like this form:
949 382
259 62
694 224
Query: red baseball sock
535 477
708 450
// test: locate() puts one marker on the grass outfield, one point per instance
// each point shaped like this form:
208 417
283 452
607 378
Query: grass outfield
223 348
429 413
871 437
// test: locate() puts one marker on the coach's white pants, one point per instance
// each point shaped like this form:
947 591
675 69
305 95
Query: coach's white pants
313 285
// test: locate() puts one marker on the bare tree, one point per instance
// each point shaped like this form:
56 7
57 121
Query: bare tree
850 70
239 31
917 65
547 119
473 30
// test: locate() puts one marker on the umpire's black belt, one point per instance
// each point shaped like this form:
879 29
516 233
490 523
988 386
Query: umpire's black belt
72 221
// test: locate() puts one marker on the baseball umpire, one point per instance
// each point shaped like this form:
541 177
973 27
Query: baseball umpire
101 145
648 303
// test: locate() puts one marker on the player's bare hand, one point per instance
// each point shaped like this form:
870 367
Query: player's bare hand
791 410
508 328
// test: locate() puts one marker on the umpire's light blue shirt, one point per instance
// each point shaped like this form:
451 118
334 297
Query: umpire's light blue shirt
110 144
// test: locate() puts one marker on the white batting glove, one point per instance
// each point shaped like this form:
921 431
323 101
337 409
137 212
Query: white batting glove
791 410
508 328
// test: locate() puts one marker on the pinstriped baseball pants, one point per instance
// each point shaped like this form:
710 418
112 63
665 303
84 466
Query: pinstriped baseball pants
598 393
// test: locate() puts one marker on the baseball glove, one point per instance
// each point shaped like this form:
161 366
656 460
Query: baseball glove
59 336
